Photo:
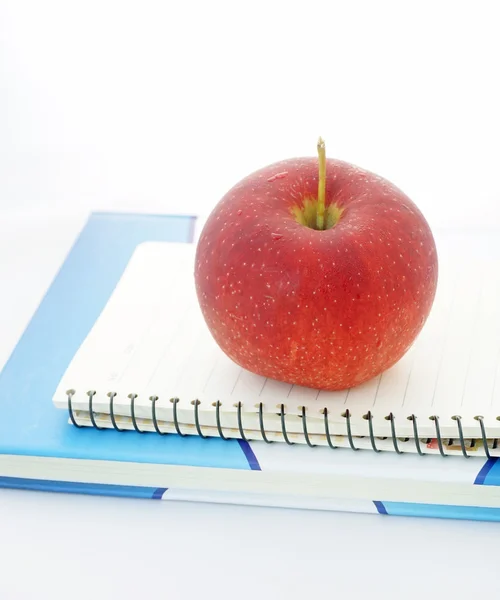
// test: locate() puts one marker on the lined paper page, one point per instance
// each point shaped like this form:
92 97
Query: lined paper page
151 340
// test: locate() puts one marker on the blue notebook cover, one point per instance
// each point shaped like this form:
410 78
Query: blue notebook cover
30 426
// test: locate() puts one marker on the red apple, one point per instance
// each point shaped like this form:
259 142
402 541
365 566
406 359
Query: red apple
315 272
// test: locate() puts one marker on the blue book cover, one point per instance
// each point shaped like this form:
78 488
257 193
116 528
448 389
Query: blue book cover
40 450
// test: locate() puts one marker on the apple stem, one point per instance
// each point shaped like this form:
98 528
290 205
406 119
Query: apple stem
320 213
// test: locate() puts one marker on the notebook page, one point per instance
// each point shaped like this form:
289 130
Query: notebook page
151 340
144 317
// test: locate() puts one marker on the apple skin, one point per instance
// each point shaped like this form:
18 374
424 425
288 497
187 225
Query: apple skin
326 309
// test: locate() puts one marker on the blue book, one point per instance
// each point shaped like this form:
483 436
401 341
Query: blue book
46 446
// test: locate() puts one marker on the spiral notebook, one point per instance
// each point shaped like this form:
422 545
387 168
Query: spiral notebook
149 363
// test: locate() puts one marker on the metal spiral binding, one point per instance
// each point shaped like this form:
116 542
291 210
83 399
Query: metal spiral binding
435 418
441 442
458 419
196 404
327 430
483 436
111 396
240 423
217 419
283 426
368 417
175 402
91 395
416 437
347 417
132 412
70 394
154 400
261 424
304 428
390 418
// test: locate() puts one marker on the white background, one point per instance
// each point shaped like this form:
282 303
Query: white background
111 104
163 106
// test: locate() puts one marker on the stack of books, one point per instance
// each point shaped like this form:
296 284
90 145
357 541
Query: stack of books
116 387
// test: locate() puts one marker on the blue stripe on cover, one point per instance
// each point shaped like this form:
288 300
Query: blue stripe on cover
158 493
380 507
490 473
70 487
442 511
249 455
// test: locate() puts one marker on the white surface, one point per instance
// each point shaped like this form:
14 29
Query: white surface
121 549
100 103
